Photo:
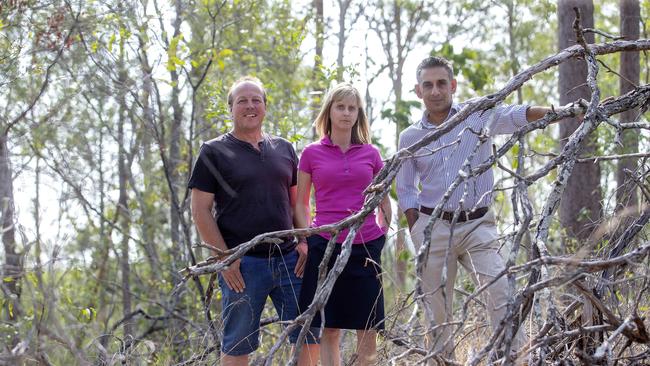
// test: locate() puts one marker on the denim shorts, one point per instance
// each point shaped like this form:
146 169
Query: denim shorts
264 277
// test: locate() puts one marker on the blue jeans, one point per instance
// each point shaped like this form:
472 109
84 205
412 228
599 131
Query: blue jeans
264 277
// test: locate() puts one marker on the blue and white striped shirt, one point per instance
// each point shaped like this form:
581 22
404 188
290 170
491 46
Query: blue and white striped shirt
424 179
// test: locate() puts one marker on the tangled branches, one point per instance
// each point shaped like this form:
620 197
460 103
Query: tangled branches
587 306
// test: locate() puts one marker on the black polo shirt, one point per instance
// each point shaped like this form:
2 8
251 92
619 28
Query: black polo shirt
251 188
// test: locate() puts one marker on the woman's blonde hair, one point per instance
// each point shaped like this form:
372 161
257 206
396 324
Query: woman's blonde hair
323 123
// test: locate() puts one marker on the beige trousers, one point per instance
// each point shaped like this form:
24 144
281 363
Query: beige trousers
474 245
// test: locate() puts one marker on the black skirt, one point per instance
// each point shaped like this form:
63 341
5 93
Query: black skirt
357 299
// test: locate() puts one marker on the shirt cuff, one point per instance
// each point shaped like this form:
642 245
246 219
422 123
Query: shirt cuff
519 115
408 202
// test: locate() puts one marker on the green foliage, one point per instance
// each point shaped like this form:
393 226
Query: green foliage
114 80
401 114
172 53
404 255
470 62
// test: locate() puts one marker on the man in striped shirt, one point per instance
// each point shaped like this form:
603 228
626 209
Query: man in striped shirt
421 186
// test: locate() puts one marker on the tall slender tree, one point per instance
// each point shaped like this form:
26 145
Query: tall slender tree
317 70
398 26
629 70
580 207
349 13
20 96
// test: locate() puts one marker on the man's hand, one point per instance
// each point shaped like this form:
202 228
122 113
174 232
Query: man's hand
233 277
302 250
578 108
412 215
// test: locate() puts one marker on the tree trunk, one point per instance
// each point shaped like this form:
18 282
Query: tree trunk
13 266
124 219
398 39
626 194
149 220
512 46
344 5
318 62
102 257
174 162
581 203
580 206
176 186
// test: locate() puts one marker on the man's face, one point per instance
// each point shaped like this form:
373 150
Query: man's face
436 89
248 107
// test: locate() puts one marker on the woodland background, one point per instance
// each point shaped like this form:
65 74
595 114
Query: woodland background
105 104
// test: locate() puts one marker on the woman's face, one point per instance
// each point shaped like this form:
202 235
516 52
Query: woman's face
344 113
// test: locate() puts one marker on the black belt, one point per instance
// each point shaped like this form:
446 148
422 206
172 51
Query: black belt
462 215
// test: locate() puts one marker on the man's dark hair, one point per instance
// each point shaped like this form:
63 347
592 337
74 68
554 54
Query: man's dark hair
435 61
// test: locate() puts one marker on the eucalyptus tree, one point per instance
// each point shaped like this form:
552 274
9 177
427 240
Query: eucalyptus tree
317 70
400 27
349 12
583 197
629 69
27 65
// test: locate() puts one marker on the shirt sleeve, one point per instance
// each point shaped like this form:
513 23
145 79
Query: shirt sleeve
305 161
377 163
507 119
205 174
294 165
407 179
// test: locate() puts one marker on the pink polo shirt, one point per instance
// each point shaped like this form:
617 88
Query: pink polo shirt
339 180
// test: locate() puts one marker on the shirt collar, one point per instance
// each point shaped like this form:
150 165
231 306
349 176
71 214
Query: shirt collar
231 136
424 122
328 142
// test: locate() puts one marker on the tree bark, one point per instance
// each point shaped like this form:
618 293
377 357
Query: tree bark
581 205
318 61
13 266
512 45
344 6
398 39
178 257
124 218
626 193
175 158
149 220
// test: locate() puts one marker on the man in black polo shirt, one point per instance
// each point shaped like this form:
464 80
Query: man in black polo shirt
249 178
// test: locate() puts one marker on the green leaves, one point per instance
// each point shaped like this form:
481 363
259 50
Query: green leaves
401 115
221 56
87 314
515 152
470 62
111 40
172 53
404 255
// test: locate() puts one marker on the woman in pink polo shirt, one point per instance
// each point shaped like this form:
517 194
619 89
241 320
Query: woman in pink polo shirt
340 166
